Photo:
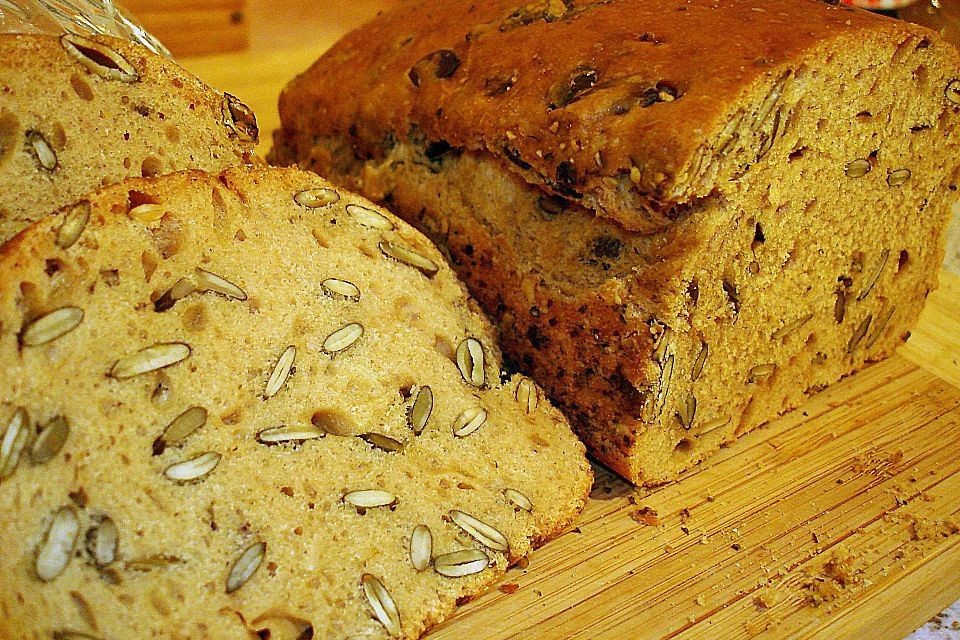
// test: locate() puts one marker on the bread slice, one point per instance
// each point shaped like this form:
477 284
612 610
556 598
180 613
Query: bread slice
256 406
77 113
684 220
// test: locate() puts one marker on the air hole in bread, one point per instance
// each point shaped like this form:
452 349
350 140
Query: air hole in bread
685 446
796 154
150 167
902 261
53 266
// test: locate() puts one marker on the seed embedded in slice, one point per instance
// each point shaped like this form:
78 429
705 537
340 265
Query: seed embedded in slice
181 427
46 156
383 605
469 421
470 361
790 327
56 549
51 439
51 326
860 332
480 530
180 289
245 566
761 371
711 425
461 563
369 498
952 92
295 433
99 59
316 198
158 356
421 547
102 541
15 440
527 395
343 338
380 441
858 168
147 212
898 177
687 412
369 218
280 372
421 409
699 363
518 499
207 281
193 469
426 266
342 288
879 327
239 119
74 222
873 277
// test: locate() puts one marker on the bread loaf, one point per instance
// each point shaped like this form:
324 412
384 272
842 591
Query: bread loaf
248 405
76 113
684 217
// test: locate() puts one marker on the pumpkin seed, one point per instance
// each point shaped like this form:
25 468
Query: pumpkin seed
480 531
99 59
952 92
421 547
179 428
336 287
147 213
898 177
158 356
369 498
699 362
50 441
51 326
461 563
527 395
297 433
180 289
74 222
687 412
46 156
790 327
860 332
383 605
879 327
518 499
102 542
872 279
858 168
761 371
426 266
421 409
193 469
245 566
281 371
207 281
316 198
343 338
54 552
382 442
712 425
369 217
470 361
15 440
469 421
239 119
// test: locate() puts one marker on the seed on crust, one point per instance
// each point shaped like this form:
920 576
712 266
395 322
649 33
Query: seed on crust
898 177
281 371
425 265
343 338
245 566
181 427
858 168
316 198
470 361
761 371
952 92
421 409
102 541
50 441
207 281
369 498
383 605
465 562
44 153
15 440
469 421
421 547
54 552
382 442
342 288
480 531
239 119
699 362
99 59
74 222
193 469
295 433
369 217
158 356
518 499
51 326
527 395
790 327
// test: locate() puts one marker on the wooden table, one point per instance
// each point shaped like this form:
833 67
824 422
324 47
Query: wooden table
836 521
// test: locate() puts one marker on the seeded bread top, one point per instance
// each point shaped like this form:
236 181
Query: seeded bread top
245 402
76 113
633 105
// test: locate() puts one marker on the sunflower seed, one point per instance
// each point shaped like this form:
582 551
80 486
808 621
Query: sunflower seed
421 547
180 289
712 425
479 530
382 442
858 168
46 156
790 327
461 563
99 59
181 427
50 441
470 361
51 326
343 338
336 287
147 212
952 92
239 119
54 552
158 356
245 566
699 362
369 218
859 333
426 266
74 222
872 280
879 327
654 407
15 440
297 433
421 409
383 606
281 371
528 395
369 498
761 371
102 541
316 198
687 412
193 469
898 177
518 499
207 281
469 421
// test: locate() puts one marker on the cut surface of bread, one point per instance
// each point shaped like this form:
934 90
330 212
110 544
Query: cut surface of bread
251 405
678 247
77 113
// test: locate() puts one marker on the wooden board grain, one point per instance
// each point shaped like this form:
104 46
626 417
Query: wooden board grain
194 27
